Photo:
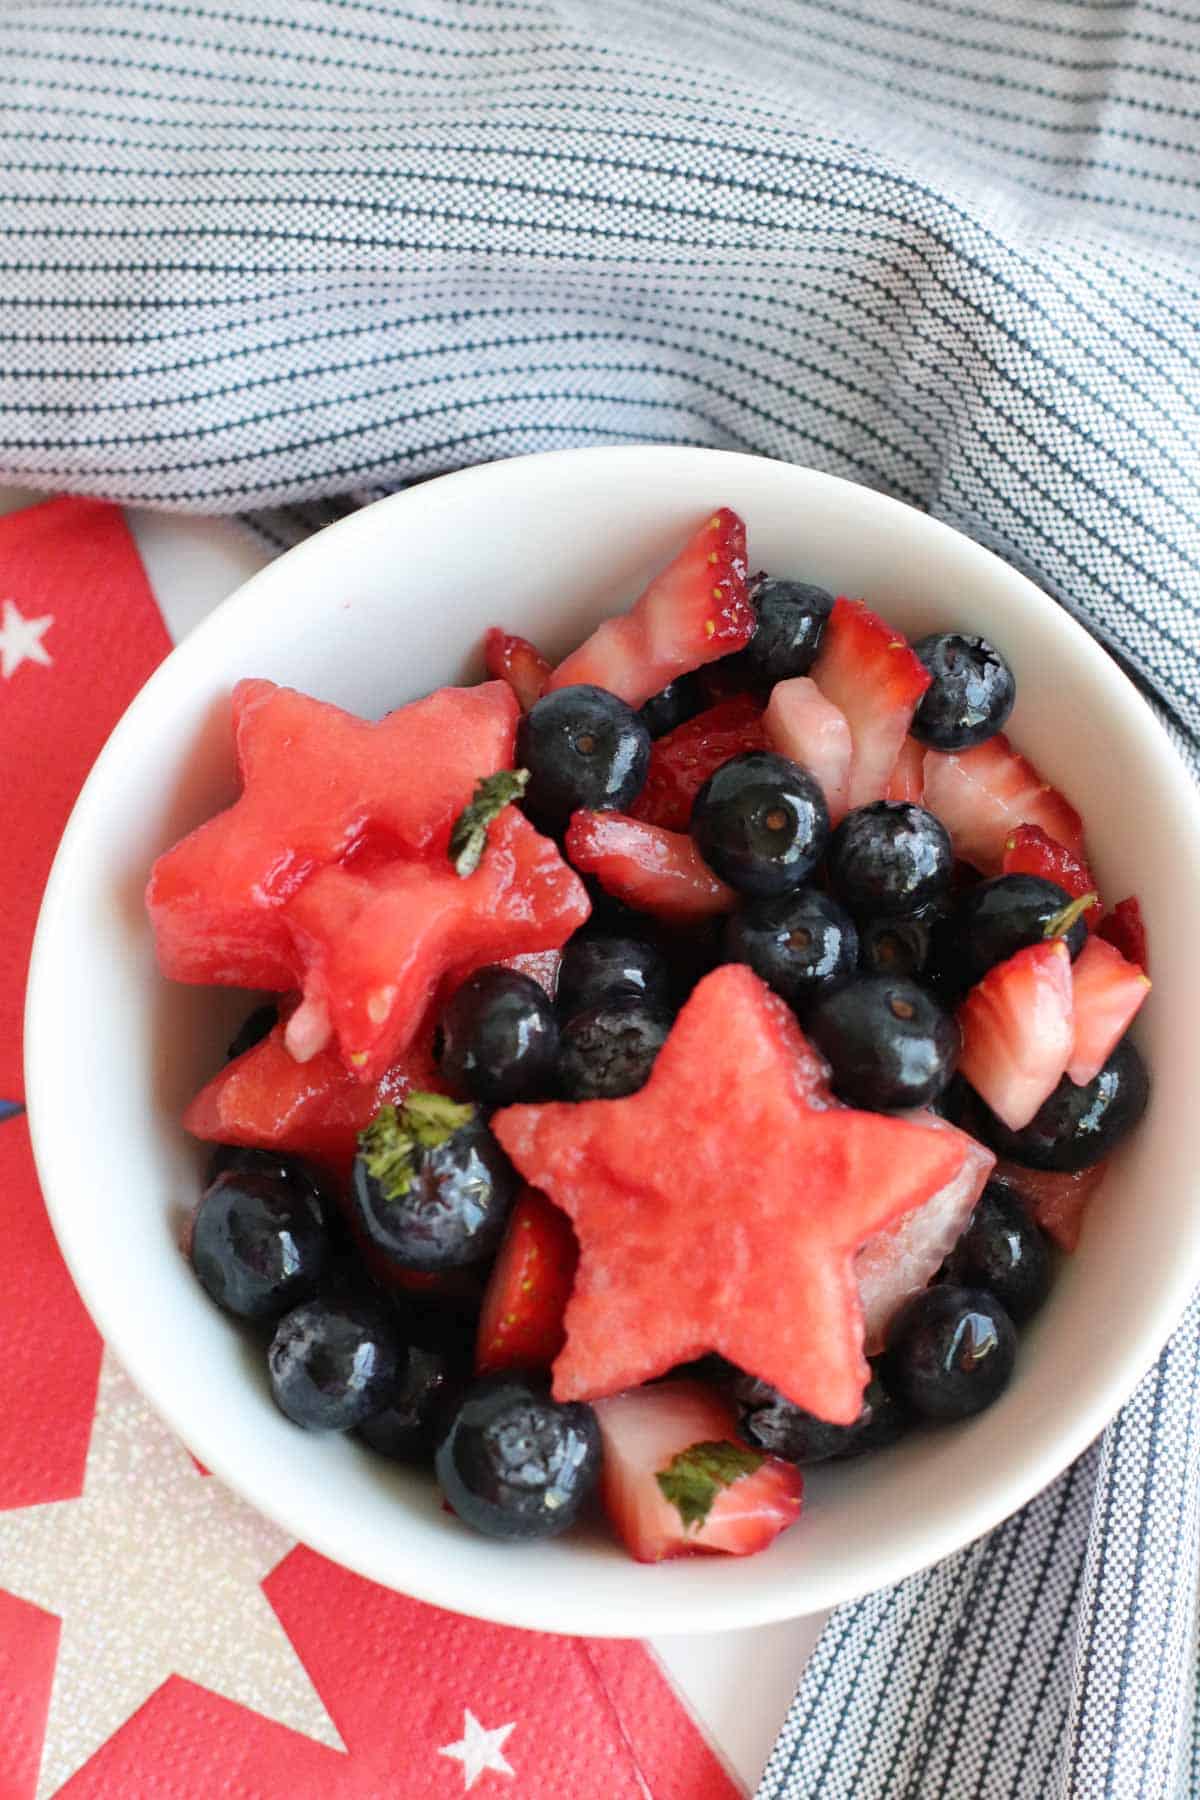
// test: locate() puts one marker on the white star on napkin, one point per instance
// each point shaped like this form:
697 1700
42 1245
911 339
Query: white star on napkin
154 1571
21 640
478 1749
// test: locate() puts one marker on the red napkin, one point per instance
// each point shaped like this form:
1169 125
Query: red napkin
425 1704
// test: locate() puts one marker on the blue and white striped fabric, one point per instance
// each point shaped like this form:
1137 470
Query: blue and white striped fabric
280 256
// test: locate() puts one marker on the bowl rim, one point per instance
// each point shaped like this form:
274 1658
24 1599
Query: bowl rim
439 1584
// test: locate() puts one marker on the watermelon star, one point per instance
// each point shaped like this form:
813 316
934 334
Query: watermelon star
317 783
720 1208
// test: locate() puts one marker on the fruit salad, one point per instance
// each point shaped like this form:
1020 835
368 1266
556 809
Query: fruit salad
680 1066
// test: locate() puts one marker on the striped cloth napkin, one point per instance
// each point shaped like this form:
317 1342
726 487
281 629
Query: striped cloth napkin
279 256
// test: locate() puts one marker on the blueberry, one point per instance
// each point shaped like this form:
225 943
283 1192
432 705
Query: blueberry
678 702
332 1360
902 946
883 1422
583 747
1078 1126
802 944
781 1428
608 1050
1003 1252
253 1029
260 1241
950 1352
246 1159
417 1403
499 1037
514 1463
596 968
997 918
889 858
888 1043
791 621
970 696
431 1187
760 822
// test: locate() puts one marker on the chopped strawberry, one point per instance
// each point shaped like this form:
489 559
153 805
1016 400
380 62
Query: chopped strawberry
697 610
867 669
521 1325
801 723
682 761
645 1181
1030 852
908 776
656 871
1108 991
904 1257
374 944
515 660
982 795
1123 927
676 1478
1057 1202
1017 1028
316 1109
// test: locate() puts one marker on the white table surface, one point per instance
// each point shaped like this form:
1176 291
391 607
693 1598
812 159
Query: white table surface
738 1684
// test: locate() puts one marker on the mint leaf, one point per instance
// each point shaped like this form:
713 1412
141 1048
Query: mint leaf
391 1144
1059 923
468 836
692 1480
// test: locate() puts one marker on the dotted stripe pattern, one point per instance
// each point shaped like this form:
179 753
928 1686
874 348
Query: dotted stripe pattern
279 257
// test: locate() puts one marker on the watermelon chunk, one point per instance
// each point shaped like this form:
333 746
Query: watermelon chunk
373 945
655 871
868 671
801 723
316 784
984 794
731 1161
682 760
697 610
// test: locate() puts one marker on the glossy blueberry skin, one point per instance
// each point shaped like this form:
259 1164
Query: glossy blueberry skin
901 946
499 1038
889 858
516 1465
802 944
997 918
1003 1252
883 1422
774 1424
608 1050
791 622
455 1210
260 1242
583 747
760 822
950 1352
888 1043
1078 1126
598 968
970 696
253 1029
332 1360
678 702
417 1404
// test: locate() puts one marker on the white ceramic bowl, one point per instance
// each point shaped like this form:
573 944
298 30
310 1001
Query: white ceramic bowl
378 609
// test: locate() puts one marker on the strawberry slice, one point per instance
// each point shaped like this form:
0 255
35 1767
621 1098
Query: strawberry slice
1124 928
682 761
514 659
908 776
676 1479
866 668
521 1325
982 795
904 1257
666 1271
1017 1029
697 610
374 943
656 871
1057 1202
801 723
268 1100
1108 991
1030 852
